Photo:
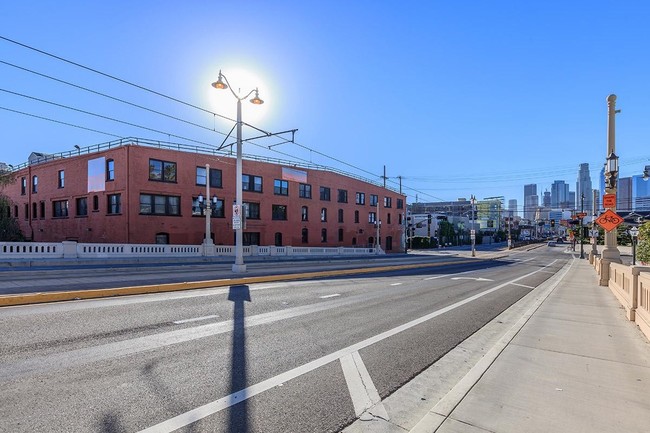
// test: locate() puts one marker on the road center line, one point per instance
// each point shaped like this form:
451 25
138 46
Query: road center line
213 407
333 295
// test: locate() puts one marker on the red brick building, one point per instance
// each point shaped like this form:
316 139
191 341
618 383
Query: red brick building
140 192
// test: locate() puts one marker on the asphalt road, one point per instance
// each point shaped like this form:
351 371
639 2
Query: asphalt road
298 356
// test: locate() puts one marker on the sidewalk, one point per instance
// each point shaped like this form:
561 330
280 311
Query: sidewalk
569 361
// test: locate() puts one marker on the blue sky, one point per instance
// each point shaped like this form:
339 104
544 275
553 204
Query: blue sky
455 98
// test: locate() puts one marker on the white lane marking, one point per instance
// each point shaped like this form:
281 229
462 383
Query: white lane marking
396 284
333 295
365 397
195 319
523 285
472 278
211 408
436 277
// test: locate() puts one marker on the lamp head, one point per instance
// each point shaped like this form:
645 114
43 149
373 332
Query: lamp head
219 84
214 199
612 163
200 198
256 99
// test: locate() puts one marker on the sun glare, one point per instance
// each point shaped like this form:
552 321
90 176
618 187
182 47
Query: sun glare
241 81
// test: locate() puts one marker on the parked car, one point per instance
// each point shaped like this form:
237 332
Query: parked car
551 244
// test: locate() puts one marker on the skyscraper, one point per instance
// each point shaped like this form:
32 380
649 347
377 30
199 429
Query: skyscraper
560 195
512 208
547 199
641 192
530 201
584 186
624 195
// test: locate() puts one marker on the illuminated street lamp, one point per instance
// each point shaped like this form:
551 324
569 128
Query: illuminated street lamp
222 83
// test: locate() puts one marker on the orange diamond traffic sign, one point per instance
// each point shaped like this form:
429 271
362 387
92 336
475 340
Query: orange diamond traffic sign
609 220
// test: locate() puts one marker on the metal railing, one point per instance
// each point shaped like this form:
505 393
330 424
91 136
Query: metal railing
95 148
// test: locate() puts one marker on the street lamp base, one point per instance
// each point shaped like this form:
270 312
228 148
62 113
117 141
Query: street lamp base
239 268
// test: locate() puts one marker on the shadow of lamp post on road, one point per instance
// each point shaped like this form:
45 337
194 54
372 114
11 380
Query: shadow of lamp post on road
238 415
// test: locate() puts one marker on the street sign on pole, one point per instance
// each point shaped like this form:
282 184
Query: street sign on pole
609 220
236 217
609 200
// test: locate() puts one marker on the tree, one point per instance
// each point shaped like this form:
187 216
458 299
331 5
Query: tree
643 248
9 228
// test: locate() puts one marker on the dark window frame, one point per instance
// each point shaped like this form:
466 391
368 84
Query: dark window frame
81 210
110 170
249 183
114 204
164 176
342 196
279 212
60 209
280 187
325 193
168 208
304 190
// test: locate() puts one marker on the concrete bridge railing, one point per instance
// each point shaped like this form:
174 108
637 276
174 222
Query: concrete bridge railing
631 286
74 250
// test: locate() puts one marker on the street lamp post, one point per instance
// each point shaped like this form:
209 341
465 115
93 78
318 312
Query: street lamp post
611 254
222 83
206 204
473 232
582 211
634 232
378 224
594 230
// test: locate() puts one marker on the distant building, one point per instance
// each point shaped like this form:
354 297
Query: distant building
460 207
561 196
531 201
624 195
641 192
547 199
512 208
584 187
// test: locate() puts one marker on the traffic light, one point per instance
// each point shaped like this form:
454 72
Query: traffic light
552 223
429 218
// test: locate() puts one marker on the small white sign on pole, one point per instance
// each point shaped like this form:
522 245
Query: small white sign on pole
236 217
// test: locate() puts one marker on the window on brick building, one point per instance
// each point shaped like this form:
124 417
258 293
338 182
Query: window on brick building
251 183
60 208
280 187
114 204
110 169
82 206
163 171
304 190
61 179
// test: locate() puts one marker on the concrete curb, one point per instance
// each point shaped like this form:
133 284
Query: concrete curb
43 297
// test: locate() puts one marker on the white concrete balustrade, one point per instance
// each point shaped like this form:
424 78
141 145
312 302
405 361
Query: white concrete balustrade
631 286
74 250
